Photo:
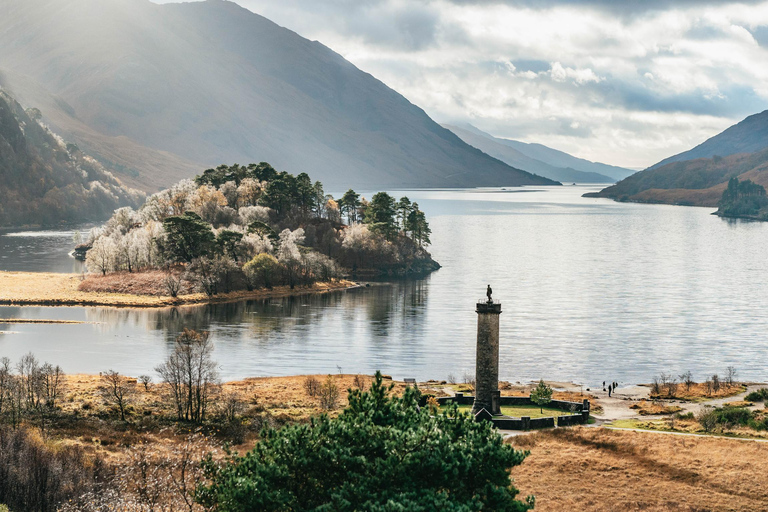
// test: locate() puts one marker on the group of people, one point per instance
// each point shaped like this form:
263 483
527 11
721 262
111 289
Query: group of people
611 387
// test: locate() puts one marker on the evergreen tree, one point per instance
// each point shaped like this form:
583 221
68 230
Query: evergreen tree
382 453
349 205
541 395
380 215
187 237
403 210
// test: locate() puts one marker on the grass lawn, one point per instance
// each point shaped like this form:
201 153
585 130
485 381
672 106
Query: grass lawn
518 411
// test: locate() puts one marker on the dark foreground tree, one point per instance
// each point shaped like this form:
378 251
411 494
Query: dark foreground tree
382 453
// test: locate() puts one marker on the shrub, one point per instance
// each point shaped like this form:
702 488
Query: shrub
760 395
381 453
36 476
329 394
312 386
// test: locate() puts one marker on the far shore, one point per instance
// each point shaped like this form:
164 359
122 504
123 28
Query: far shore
50 289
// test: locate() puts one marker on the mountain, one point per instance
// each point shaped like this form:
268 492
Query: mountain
697 182
44 181
554 157
158 92
498 148
699 176
748 136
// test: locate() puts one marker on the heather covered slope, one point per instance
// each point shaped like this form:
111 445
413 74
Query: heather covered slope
693 183
748 136
699 176
44 181
497 148
208 82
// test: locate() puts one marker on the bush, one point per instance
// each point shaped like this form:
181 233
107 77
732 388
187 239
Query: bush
312 386
381 453
760 395
36 476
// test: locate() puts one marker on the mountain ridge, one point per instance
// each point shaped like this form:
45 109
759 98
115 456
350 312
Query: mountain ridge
554 157
692 180
496 148
202 83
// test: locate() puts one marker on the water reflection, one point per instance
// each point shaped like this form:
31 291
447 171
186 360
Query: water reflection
592 290
40 250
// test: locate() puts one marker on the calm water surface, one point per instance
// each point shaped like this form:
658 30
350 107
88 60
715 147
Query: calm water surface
591 290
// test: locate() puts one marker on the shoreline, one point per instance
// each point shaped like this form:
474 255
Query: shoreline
52 289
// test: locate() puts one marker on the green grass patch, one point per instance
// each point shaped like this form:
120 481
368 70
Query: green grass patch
518 411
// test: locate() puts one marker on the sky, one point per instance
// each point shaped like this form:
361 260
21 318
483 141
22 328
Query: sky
625 82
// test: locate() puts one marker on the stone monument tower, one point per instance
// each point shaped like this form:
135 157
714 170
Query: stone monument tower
487 359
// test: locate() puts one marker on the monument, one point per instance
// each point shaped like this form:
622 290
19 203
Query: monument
487 394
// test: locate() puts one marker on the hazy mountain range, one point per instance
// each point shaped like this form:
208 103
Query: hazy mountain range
159 92
699 176
539 159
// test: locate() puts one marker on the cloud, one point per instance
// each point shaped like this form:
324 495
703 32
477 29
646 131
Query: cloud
627 82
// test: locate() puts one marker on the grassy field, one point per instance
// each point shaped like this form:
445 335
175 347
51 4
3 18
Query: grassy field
600 470
48 289
519 411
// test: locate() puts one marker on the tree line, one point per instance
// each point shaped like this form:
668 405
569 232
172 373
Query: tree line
237 227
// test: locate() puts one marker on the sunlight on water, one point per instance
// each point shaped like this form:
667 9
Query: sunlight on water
591 290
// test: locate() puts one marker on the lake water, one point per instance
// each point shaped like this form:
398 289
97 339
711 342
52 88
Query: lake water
591 290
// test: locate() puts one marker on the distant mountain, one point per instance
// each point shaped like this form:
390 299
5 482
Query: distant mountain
748 136
158 92
498 148
44 181
554 157
699 176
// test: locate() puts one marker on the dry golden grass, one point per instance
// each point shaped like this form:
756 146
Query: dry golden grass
647 408
600 470
698 391
48 289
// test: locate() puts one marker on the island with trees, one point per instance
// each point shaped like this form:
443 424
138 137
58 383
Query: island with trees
743 199
248 228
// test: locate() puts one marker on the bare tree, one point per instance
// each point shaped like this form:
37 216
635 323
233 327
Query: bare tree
116 388
312 386
716 383
172 285
708 385
191 375
52 384
145 380
687 379
730 376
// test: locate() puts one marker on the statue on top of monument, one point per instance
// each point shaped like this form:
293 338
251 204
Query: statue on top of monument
489 292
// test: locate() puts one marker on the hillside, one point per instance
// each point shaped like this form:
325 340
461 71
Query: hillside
692 183
554 157
748 136
497 148
44 181
699 176
159 91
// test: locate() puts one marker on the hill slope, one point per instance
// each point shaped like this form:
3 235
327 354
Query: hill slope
748 136
692 183
497 148
44 182
699 176
209 82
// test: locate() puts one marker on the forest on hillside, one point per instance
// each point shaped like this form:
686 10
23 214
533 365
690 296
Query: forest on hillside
45 181
247 227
